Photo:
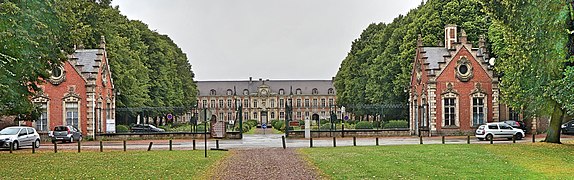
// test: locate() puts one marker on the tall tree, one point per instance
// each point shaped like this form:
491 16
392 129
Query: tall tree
530 39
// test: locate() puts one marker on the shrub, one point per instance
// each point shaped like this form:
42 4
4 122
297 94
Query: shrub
364 125
252 122
278 124
324 121
301 123
397 124
350 121
200 128
326 126
377 124
272 122
122 128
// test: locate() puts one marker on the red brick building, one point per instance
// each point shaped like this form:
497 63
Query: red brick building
453 89
79 93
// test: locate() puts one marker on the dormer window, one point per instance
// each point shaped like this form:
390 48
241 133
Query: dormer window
245 92
330 91
229 92
281 92
298 91
315 91
212 92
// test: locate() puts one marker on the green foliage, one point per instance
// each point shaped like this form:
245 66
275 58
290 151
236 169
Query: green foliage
377 70
396 124
323 121
33 37
531 40
278 124
122 128
251 122
364 125
301 123
326 126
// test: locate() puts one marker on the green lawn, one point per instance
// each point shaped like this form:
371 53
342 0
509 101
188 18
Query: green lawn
107 165
510 161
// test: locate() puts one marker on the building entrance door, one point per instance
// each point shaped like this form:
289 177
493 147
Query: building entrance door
264 119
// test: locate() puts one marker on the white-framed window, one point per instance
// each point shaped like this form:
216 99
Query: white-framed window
306 102
272 115
281 103
72 118
221 103
229 116
307 114
212 105
450 110
246 116
42 121
221 118
204 103
272 101
478 111
246 103
255 115
281 115
255 104
298 102
315 102
212 92
331 102
298 115
323 102
229 103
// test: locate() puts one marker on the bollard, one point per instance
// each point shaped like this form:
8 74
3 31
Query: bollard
334 142
513 139
125 147
533 137
354 141
194 144
283 138
33 147
343 130
217 144
467 139
420 139
311 142
442 139
101 146
491 140
377 141
170 145
11 147
149 148
55 147
79 146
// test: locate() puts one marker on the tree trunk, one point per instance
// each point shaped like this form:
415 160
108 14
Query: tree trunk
553 132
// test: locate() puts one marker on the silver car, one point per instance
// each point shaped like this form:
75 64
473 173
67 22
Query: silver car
19 136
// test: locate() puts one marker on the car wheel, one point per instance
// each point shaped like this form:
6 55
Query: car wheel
37 143
15 145
518 136
489 137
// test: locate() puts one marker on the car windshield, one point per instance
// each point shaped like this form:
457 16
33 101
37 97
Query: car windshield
9 131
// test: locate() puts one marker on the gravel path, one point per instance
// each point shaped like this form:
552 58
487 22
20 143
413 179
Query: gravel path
269 163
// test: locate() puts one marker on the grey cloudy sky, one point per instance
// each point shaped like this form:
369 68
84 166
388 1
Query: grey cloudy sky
269 39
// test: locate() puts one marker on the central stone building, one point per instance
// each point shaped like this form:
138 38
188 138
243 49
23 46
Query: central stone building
265 100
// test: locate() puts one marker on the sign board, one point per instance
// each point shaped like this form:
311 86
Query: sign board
169 116
346 117
202 115
264 126
110 125
231 122
294 123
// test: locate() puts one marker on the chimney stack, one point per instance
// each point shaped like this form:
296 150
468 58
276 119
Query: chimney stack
463 37
103 42
420 41
450 36
250 80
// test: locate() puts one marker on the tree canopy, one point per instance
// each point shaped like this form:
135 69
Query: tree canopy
148 68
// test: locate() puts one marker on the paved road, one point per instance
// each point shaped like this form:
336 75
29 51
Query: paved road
275 141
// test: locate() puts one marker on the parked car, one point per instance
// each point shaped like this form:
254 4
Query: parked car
516 124
498 130
65 134
568 127
19 136
146 128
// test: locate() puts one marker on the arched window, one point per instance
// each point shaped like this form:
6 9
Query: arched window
298 91
281 92
450 107
330 91
212 92
229 92
245 92
479 103
315 91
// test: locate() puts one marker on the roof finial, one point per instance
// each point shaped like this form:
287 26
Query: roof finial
103 42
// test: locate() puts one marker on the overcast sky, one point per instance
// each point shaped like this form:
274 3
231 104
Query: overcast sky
269 39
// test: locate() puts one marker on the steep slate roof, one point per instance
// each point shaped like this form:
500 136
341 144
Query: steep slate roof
435 55
306 86
87 57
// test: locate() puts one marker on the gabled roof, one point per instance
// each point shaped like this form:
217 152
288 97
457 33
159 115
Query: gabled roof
434 55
